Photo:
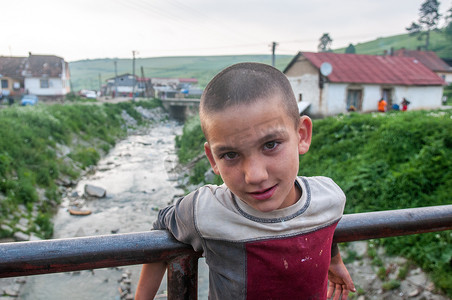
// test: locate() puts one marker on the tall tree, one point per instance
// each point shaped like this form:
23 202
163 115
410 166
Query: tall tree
428 21
448 19
350 49
325 43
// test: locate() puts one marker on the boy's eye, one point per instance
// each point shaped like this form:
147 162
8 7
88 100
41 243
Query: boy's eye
229 155
270 145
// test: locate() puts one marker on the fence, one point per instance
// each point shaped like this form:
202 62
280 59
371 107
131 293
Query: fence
64 255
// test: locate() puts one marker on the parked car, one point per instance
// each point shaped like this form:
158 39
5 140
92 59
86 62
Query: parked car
91 95
29 100
88 94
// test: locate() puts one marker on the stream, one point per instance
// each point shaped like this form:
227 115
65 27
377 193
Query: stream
135 176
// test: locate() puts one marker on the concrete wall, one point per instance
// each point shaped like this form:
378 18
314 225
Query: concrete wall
57 87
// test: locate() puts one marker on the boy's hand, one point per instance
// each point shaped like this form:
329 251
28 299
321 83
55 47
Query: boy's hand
339 281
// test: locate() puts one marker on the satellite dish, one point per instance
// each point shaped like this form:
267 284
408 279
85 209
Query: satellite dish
326 68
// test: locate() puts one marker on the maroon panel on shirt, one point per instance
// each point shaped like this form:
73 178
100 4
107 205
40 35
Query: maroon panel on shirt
290 268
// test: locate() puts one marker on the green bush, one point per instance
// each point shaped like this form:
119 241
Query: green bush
382 162
391 161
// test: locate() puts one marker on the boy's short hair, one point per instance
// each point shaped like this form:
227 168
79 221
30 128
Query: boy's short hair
245 83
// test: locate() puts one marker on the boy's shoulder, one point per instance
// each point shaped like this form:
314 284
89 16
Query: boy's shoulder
321 186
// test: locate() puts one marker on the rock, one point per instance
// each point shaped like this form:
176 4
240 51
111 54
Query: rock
24 222
80 232
414 293
360 248
209 176
20 236
34 238
21 227
74 194
95 191
11 291
6 228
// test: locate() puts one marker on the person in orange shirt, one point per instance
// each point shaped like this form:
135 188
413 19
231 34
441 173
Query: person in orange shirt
382 105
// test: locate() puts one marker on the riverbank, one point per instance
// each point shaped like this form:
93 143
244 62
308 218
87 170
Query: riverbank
382 162
46 148
120 160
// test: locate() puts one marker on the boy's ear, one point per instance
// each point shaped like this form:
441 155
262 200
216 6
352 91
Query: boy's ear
211 159
305 134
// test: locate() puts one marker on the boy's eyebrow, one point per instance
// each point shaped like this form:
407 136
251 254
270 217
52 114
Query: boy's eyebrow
268 137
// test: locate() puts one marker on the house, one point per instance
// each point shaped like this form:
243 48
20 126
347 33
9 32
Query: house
126 84
431 61
328 83
11 79
160 87
41 75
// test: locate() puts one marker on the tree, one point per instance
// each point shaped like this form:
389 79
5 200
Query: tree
428 21
325 43
350 49
448 19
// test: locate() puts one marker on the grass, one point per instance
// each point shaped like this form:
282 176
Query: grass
31 159
382 162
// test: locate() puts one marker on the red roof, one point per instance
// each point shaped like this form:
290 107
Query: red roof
373 69
428 58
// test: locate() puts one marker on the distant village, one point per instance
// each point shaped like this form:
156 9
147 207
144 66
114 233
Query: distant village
324 83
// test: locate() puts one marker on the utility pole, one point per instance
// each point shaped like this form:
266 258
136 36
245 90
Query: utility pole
116 79
145 83
100 83
274 44
134 79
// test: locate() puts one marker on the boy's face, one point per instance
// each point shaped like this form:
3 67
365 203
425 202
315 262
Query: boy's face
255 149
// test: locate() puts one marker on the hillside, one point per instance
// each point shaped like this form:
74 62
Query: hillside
85 73
90 74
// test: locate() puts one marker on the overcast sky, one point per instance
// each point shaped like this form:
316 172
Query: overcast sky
89 29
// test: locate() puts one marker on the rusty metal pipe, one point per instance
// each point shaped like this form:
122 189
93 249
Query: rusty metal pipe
64 255
381 224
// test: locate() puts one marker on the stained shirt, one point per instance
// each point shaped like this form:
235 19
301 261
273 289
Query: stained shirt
283 254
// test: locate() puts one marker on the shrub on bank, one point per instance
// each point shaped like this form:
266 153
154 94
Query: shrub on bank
382 162
32 157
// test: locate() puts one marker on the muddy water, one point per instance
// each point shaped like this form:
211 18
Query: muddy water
137 183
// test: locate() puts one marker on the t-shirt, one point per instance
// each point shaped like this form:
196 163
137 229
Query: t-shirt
283 254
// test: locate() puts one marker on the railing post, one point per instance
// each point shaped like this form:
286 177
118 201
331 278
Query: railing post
183 277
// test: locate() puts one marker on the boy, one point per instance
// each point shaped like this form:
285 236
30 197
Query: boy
265 233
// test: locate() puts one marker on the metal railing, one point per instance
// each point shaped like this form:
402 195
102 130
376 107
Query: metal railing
64 255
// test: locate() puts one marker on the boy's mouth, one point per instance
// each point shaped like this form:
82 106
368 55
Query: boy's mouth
263 194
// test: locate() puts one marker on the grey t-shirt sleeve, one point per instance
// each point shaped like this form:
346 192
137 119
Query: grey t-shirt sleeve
179 220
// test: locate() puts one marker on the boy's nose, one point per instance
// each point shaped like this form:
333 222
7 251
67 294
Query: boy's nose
255 171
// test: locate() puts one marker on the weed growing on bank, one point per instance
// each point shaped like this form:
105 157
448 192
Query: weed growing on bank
382 162
44 143
391 161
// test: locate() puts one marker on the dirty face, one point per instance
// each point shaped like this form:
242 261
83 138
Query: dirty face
255 148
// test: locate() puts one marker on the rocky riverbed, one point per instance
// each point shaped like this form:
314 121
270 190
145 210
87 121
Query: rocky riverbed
128 186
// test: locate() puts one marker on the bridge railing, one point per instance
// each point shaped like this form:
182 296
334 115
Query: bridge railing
64 255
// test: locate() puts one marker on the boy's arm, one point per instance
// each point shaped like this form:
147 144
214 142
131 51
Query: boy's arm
150 278
340 282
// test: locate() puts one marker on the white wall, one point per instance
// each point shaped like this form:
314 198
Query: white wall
332 99
308 86
420 97
56 88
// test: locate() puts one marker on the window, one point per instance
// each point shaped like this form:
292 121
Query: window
44 83
354 98
4 84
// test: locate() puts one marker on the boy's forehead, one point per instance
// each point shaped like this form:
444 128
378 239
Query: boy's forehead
235 127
